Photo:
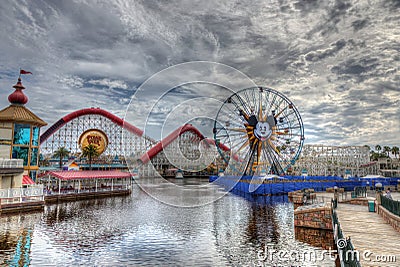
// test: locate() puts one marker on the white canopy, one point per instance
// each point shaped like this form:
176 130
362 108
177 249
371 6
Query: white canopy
270 177
373 176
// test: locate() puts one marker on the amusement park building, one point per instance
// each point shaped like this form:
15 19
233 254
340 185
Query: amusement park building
334 160
19 141
180 149
388 167
121 142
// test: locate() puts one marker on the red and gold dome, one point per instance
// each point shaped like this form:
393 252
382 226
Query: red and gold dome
18 97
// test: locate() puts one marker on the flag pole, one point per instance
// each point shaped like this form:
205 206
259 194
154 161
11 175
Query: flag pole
19 77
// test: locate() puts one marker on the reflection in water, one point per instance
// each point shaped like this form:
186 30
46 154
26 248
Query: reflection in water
22 250
137 230
15 238
7 242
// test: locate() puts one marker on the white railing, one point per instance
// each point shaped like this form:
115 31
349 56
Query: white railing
18 195
11 163
66 191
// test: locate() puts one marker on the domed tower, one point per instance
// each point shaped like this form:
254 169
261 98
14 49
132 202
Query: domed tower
20 131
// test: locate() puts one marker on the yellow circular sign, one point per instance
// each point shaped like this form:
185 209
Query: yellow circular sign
94 137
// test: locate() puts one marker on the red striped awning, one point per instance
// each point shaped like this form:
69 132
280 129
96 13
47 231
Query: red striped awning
26 180
79 175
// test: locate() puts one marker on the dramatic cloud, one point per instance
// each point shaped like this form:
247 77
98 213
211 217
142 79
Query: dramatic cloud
338 61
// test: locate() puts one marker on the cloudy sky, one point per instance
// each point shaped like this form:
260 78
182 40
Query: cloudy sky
338 61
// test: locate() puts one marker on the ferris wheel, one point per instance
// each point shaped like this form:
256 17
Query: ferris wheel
263 130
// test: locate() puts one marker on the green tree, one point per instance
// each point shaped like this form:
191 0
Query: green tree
374 156
91 152
395 151
387 150
61 153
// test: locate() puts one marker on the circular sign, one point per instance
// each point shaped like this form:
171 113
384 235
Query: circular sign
94 137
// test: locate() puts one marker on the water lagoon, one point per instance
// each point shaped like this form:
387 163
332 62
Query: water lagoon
138 230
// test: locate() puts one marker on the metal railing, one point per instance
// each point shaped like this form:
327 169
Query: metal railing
348 256
391 205
11 163
67 191
18 195
342 196
334 203
321 199
360 191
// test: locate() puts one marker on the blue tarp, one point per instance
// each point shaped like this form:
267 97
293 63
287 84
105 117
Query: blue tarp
283 186
259 199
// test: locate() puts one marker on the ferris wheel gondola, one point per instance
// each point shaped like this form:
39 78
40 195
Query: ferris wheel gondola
263 130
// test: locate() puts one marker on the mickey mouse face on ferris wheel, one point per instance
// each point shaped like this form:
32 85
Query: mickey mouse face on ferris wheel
262 131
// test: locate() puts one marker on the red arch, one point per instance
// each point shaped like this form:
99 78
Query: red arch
168 140
89 111
171 137
152 152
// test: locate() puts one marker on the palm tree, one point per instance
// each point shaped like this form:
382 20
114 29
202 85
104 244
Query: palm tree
395 151
374 156
61 153
387 150
378 148
91 152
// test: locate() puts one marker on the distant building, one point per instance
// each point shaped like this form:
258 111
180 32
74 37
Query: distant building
71 166
388 167
332 160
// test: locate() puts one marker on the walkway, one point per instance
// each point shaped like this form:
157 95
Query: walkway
369 233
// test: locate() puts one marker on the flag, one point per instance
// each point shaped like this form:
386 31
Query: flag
24 72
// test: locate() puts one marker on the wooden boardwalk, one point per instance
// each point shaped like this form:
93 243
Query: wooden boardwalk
372 237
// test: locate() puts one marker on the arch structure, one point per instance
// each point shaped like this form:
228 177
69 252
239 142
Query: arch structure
123 137
185 148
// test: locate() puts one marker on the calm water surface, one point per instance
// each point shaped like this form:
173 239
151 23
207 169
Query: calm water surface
138 230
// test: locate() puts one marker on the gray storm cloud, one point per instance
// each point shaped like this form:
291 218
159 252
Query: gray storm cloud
338 61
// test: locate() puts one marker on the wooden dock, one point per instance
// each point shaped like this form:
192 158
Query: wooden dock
376 241
38 205
84 195
22 207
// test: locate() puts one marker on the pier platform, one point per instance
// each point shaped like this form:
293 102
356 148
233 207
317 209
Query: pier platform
84 195
375 240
